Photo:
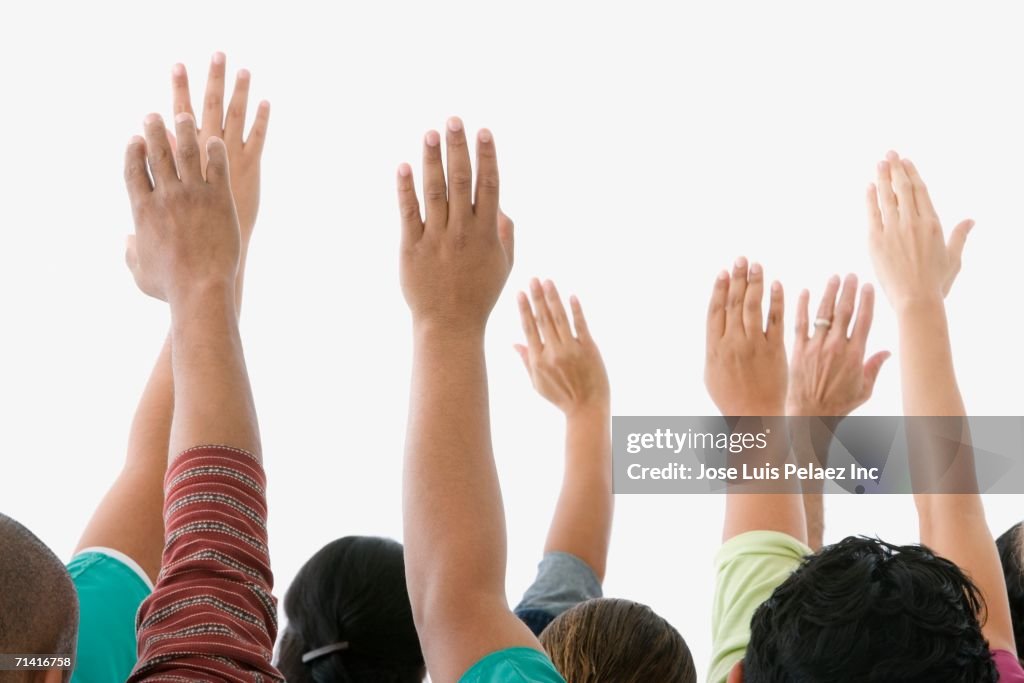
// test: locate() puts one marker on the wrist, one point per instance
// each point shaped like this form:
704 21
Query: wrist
592 412
208 295
919 304
448 329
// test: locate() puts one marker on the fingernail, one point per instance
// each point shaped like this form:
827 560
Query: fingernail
136 140
243 74
776 286
741 262
432 138
178 70
755 269
404 170
724 275
883 166
891 155
218 58
549 285
182 117
455 124
484 135
151 118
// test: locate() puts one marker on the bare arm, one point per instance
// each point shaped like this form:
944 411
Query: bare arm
567 369
828 379
917 268
745 373
453 266
129 519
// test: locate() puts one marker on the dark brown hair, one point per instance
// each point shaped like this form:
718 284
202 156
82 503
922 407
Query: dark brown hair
620 641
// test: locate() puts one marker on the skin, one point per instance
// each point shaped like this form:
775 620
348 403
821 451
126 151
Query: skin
566 368
130 516
454 264
828 379
746 375
917 268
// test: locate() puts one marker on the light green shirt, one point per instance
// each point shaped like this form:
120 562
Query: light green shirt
514 665
748 569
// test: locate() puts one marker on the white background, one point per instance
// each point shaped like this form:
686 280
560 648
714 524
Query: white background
641 152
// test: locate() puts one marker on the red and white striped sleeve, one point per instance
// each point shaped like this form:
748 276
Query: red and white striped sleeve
212 615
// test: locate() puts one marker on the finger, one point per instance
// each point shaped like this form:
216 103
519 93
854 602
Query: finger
558 315
524 354
776 312
435 193
136 175
507 236
217 162
886 198
803 316
213 100
903 188
753 311
872 368
875 224
545 323
460 172
234 124
958 240
180 95
845 308
716 308
485 203
408 206
737 293
922 199
158 150
578 321
131 256
187 155
258 133
865 316
826 309
533 340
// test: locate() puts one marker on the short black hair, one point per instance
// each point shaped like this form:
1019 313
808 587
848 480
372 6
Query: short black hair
38 601
1011 552
869 611
351 591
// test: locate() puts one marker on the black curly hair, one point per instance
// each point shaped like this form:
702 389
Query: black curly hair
868 611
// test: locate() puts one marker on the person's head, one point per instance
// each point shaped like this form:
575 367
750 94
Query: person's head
617 640
38 602
1011 552
864 610
349 617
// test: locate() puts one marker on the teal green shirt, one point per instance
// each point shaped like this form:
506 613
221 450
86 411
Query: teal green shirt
110 590
514 665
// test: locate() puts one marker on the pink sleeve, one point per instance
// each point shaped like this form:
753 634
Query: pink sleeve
1008 667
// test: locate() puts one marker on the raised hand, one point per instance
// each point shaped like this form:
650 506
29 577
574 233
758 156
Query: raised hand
454 263
244 154
913 260
186 230
565 368
827 374
745 370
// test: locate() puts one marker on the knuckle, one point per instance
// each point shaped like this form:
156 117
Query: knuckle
488 182
435 193
460 180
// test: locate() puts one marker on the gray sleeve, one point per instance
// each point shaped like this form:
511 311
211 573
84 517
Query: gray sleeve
563 581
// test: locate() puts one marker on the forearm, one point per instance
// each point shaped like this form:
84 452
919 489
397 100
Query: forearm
212 398
926 362
583 516
454 521
811 438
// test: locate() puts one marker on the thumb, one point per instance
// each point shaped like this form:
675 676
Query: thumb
506 234
131 256
524 354
957 240
217 162
871 369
